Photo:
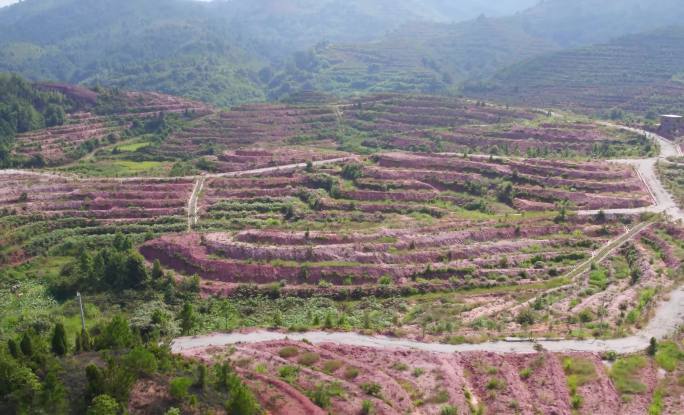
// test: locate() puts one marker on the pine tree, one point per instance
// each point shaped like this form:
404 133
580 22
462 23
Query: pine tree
86 341
157 272
13 348
187 318
26 345
59 341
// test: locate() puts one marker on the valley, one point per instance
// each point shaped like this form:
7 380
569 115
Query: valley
341 207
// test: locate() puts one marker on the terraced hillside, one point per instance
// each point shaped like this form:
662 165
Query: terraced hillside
388 121
42 212
298 377
387 220
103 120
630 73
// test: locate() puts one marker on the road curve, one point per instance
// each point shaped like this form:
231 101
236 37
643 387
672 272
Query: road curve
668 317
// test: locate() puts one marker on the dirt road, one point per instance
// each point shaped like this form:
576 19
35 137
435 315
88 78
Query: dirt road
669 315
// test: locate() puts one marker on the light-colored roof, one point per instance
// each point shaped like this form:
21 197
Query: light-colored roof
671 116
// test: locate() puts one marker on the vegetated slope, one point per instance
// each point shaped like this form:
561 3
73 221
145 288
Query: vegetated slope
430 57
23 108
164 45
211 51
418 57
52 124
631 72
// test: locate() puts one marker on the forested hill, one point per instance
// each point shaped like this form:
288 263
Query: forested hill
430 57
637 73
236 51
23 107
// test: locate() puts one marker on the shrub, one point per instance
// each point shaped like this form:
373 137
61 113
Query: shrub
448 410
400 366
351 372
525 317
322 393
331 366
141 361
525 373
372 389
308 358
241 401
288 351
417 372
495 384
576 401
178 388
385 280
104 405
288 373
367 407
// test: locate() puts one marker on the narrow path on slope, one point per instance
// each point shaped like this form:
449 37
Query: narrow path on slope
281 168
192 203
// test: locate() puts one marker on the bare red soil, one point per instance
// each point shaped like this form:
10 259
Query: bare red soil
423 382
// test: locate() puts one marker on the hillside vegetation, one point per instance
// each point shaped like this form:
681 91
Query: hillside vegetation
437 58
634 72
233 52
24 108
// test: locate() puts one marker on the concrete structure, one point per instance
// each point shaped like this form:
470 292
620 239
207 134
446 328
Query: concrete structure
671 125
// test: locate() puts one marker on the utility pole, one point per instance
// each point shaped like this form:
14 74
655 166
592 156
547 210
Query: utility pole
80 304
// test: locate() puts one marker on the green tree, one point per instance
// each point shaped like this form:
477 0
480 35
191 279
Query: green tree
505 192
136 271
187 318
141 361
241 401
116 335
201 377
85 341
54 394
59 340
104 405
157 272
178 388
54 115
26 345
13 348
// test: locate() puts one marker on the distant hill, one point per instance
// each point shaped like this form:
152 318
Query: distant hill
418 57
430 57
637 73
228 52
213 51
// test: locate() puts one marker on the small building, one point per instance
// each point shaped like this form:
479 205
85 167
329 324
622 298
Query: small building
671 125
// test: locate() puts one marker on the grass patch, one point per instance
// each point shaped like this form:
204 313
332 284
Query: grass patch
625 373
669 355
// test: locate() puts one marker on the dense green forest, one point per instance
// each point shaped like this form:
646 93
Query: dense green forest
24 108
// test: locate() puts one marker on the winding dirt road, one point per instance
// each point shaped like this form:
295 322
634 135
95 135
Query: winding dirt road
668 316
